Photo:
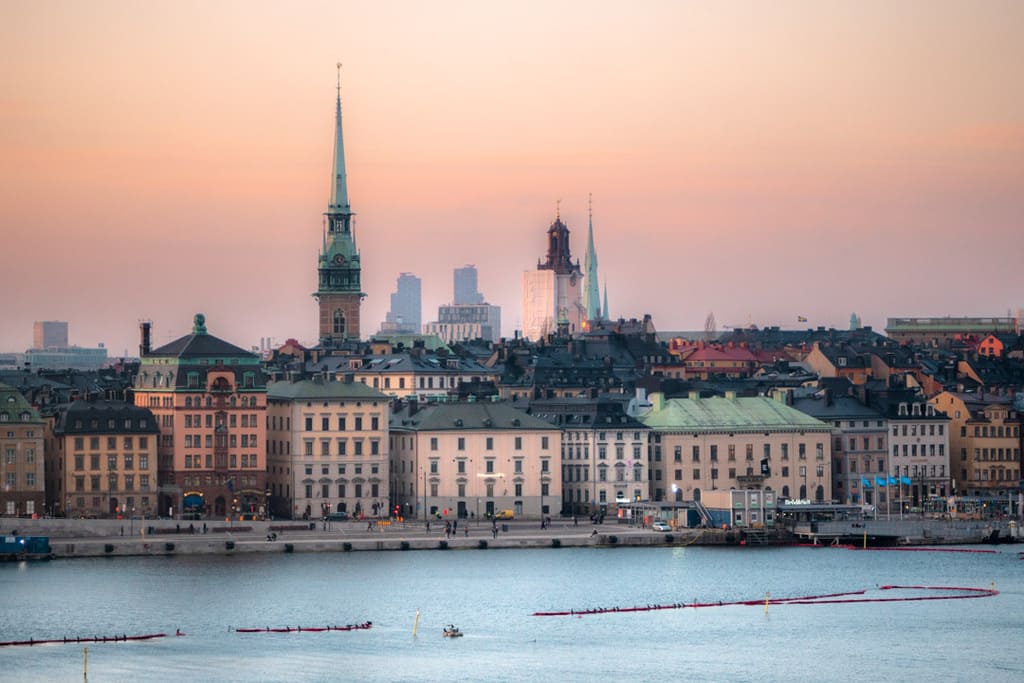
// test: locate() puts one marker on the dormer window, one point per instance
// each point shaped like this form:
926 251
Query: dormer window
903 409
917 409
841 361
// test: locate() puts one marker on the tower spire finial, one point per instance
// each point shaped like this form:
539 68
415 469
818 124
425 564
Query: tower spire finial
558 209
339 81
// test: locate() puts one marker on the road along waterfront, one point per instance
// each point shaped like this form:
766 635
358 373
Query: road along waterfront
492 596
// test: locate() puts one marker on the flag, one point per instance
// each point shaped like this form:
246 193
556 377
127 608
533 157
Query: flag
905 481
867 484
881 481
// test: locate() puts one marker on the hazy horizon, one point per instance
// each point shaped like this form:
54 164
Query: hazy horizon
759 161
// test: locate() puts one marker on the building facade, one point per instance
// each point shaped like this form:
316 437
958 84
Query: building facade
466 322
472 460
860 451
339 292
102 460
985 444
210 400
23 487
701 444
327 449
604 454
553 293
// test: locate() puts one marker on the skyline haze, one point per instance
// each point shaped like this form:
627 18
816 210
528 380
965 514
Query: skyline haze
760 162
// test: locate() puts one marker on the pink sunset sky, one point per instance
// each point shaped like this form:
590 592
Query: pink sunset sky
761 160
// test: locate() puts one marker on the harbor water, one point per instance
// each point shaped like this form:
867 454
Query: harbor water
491 596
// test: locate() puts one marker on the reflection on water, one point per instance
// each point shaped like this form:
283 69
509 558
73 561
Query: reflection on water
490 595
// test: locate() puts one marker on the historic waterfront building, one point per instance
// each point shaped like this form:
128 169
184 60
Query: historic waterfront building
552 294
604 453
339 290
702 444
210 400
985 444
327 449
472 460
22 490
860 452
101 460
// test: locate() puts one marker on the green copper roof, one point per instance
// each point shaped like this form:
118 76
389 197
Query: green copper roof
730 414
14 407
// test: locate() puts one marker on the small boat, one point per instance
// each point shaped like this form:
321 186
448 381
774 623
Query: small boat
452 631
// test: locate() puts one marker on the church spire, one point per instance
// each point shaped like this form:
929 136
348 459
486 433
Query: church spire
592 298
339 184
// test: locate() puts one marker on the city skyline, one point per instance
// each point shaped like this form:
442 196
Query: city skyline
763 163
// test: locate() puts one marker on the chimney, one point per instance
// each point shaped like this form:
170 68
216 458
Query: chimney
144 333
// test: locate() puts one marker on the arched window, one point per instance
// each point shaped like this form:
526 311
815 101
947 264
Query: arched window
785 491
819 494
339 322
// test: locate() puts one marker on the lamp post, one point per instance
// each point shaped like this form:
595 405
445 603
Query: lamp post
424 495
675 506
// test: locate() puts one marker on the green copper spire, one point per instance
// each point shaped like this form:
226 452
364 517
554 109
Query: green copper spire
339 183
592 297
339 267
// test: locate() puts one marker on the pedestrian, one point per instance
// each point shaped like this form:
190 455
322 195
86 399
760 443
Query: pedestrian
428 526
369 525
455 526
494 531
204 527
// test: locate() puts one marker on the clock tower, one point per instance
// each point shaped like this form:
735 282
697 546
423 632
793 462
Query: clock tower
339 291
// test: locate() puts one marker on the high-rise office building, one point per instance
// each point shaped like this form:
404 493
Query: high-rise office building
465 282
50 334
405 315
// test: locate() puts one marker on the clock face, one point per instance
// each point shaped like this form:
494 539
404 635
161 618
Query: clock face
339 259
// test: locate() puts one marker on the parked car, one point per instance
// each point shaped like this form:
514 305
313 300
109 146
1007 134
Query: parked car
338 516
660 526
505 514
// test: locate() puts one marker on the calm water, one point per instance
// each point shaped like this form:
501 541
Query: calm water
490 594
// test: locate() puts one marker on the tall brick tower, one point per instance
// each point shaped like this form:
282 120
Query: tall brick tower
339 293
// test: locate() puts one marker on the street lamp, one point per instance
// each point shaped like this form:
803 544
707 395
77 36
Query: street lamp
675 506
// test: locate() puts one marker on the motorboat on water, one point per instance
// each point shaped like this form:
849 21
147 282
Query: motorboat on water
452 631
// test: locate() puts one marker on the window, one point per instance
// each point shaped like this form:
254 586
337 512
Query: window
544 443
462 443
490 443
433 443
489 466
519 443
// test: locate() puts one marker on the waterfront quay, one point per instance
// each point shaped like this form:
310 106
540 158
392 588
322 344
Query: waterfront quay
70 538
99 538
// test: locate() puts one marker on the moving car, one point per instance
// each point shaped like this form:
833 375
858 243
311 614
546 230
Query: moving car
660 526
337 516
505 514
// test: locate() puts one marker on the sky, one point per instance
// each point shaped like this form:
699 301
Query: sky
755 160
